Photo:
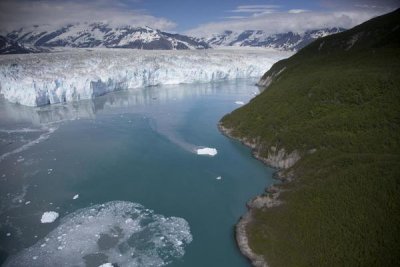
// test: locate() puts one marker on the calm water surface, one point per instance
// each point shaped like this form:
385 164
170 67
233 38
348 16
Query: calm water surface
133 152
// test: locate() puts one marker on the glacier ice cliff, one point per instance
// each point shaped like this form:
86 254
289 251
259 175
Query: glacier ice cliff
70 75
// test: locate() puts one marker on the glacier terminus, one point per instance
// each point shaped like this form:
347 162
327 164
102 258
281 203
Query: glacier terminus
76 74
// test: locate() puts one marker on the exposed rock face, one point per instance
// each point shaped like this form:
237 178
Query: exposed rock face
280 159
277 158
266 80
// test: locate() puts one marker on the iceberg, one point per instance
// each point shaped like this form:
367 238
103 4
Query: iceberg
207 151
76 74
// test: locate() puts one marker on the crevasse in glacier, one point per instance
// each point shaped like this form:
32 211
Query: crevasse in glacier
48 78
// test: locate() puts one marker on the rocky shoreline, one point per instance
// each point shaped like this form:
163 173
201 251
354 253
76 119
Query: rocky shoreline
277 158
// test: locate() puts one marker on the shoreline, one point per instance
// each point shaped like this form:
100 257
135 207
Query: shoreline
280 161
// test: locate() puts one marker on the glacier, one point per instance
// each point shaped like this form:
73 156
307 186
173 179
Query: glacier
76 74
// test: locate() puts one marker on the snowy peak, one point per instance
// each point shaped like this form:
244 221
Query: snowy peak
257 38
84 35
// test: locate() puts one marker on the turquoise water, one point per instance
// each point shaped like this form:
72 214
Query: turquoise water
126 149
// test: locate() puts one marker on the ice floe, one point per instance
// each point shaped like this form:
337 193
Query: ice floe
239 102
49 217
75 197
118 232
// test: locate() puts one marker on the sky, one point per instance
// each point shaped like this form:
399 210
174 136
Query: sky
196 17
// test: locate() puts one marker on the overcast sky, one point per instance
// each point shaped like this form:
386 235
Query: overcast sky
196 17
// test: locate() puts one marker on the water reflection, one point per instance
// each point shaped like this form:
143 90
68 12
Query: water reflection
133 100
158 104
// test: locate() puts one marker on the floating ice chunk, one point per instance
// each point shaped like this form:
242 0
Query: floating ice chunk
207 151
239 102
76 196
49 217
8 234
106 265
219 178
125 234
27 203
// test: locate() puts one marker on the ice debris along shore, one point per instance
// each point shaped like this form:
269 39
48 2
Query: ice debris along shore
49 78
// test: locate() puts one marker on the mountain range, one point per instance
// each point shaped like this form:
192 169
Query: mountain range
89 35
289 41
82 35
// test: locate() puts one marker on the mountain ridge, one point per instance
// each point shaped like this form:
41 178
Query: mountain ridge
8 46
332 111
103 35
289 41
90 35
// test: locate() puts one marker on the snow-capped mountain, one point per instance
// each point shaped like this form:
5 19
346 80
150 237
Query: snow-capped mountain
75 74
90 35
257 38
85 35
8 46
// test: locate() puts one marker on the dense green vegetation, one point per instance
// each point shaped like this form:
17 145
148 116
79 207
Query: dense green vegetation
340 96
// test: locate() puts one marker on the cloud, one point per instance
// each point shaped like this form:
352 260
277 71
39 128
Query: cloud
376 4
296 11
19 13
296 21
255 9
235 17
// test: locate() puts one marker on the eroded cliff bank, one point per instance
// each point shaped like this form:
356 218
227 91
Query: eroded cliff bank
277 158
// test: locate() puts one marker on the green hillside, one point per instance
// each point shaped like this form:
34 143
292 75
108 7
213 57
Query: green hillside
340 96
